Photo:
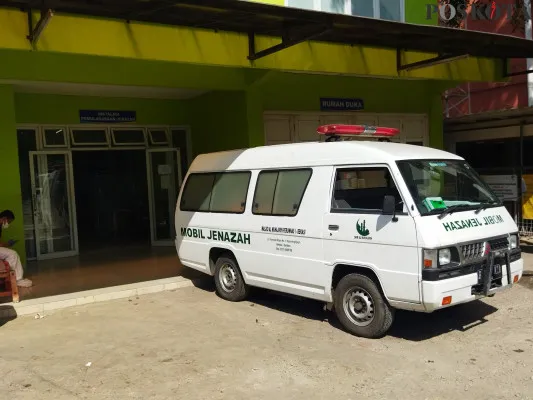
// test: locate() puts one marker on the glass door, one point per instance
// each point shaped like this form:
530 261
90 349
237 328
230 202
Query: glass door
54 208
164 182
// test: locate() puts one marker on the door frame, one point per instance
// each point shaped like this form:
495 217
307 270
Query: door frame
153 241
71 205
38 130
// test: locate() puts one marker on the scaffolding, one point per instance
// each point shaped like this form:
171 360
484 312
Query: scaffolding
454 100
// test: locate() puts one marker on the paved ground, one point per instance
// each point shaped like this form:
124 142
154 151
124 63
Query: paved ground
189 344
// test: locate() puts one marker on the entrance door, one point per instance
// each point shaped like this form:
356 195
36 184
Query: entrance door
164 181
54 209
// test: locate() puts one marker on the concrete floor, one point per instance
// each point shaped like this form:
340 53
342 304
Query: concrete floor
111 266
189 344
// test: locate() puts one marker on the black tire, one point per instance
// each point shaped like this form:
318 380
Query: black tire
362 289
229 282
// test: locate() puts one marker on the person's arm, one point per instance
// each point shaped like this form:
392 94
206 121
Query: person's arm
7 244
10 243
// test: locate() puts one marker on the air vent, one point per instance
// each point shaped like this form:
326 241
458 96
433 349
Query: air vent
473 251
499 244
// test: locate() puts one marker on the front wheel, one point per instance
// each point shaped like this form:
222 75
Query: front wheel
361 308
229 281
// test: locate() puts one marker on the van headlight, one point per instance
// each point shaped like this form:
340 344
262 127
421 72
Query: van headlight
438 258
513 241
445 257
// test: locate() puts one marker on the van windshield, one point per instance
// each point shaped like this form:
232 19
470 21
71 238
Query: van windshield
440 186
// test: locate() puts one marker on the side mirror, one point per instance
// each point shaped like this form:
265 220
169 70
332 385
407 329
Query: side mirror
389 207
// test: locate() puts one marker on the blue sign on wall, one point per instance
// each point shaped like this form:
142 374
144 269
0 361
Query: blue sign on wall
339 104
96 116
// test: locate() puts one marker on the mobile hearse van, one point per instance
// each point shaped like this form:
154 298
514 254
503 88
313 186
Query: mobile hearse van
365 226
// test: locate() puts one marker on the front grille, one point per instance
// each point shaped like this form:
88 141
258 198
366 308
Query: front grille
473 251
499 244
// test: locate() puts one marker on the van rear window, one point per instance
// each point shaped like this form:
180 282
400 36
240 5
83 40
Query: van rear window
219 192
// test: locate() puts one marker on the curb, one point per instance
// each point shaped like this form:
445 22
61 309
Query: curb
51 303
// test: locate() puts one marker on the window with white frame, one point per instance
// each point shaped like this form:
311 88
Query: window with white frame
393 10
54 137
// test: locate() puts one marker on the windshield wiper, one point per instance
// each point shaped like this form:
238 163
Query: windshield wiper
451 209
485 205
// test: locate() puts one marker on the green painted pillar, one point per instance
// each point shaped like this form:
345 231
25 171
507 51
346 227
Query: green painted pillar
254 118
257 82
10 190
219 121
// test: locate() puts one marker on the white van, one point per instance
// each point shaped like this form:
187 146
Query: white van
364 226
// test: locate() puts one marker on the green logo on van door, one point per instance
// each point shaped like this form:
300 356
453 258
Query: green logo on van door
362 229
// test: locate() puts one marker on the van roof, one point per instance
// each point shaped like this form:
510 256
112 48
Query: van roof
310 154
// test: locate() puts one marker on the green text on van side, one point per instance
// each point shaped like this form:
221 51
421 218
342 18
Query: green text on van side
220 236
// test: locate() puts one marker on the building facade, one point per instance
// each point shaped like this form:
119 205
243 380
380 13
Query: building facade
100 117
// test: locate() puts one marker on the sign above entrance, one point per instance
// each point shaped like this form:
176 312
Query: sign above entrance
92 116
339 104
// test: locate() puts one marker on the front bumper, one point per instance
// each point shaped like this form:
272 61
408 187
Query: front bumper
469 287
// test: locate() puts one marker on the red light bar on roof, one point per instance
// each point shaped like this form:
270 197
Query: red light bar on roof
356 130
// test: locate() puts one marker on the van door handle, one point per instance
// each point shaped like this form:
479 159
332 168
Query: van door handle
333 227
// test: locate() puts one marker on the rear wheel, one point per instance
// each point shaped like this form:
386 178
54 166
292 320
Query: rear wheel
361 308
229 281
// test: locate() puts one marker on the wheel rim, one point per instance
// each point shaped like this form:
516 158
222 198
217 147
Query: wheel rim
358 306
228 278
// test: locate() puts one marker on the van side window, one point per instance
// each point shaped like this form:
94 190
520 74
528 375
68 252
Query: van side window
229 192
363 190
279 193
221 192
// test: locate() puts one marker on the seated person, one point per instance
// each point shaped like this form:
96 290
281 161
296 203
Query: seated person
10 255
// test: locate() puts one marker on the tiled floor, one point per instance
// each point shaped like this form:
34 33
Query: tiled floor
102 268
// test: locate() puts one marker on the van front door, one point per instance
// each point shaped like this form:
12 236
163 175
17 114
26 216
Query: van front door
357 233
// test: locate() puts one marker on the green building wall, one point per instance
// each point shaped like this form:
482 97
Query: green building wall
62 109
228 119
10 193
219 119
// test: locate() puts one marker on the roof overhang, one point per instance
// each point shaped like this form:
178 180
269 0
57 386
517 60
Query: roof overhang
488 120
292 25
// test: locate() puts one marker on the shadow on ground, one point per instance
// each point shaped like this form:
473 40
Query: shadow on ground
205 283
10 310
527 247
420 326
411 326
